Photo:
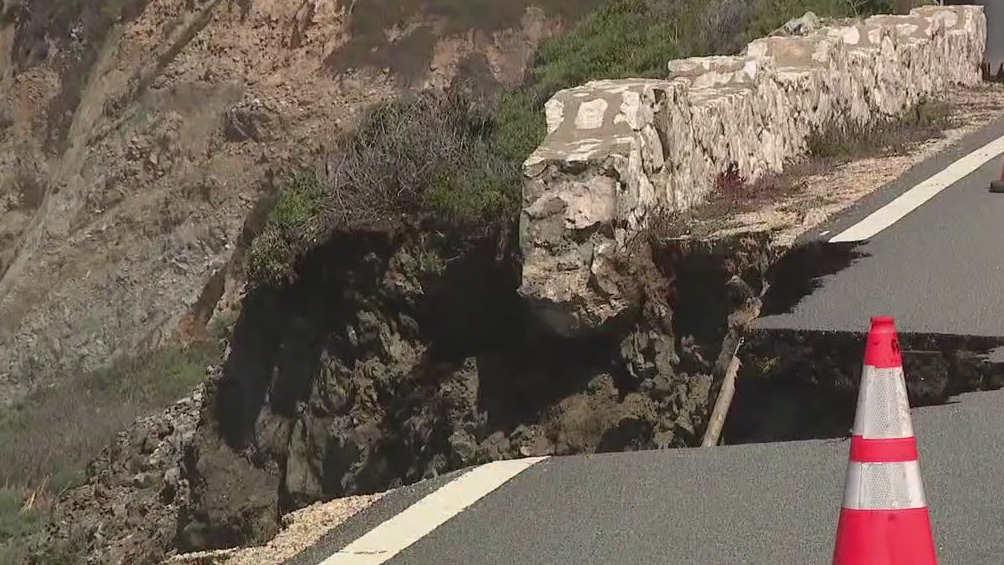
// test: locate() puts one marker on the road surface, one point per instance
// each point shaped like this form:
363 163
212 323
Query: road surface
765 504
936 268
939 269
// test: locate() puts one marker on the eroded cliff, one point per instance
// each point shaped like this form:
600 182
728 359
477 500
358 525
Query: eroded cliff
140 139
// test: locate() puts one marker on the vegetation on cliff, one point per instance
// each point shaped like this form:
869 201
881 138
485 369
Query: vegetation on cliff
430 159
47 438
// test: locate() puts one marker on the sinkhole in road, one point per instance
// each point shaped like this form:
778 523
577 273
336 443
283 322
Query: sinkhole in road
797 384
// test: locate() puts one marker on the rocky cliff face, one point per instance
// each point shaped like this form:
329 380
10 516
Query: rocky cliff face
137 140
138 143
620 152
397 357
400 365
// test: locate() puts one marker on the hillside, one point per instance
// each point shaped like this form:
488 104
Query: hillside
138 138
246 191
140 148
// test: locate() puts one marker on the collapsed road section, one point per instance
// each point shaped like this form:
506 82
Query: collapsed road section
801 382
934 265
620 153
394 359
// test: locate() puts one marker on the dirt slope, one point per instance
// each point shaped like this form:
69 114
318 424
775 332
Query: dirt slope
136 137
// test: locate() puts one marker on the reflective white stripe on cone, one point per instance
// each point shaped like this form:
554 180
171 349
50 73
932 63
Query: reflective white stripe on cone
883 408
884 486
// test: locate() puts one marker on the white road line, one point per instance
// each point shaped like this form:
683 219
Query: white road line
420 519
913 198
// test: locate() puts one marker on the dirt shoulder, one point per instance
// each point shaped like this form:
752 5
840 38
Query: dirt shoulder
301 530
815 190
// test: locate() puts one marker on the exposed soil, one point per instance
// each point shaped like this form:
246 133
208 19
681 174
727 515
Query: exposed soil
804 385
402 36
372 371
596 396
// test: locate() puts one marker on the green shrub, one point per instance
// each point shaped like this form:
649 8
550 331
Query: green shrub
521 125
432 154
299 203
295 216
434 157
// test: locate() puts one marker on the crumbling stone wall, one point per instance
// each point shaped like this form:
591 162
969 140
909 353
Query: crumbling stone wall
620 151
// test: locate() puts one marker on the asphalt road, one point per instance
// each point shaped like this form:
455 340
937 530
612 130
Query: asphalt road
939 269
765 504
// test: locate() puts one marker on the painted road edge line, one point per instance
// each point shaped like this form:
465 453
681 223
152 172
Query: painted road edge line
420 519
913 198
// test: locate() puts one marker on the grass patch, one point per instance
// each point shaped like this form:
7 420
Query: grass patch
637 39
19 517
47 438
842 142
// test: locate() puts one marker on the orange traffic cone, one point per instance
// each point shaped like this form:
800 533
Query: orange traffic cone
884 519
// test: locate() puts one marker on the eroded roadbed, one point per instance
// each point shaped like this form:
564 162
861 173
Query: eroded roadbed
799 384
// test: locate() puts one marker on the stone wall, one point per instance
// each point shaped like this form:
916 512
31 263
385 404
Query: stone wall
619 151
